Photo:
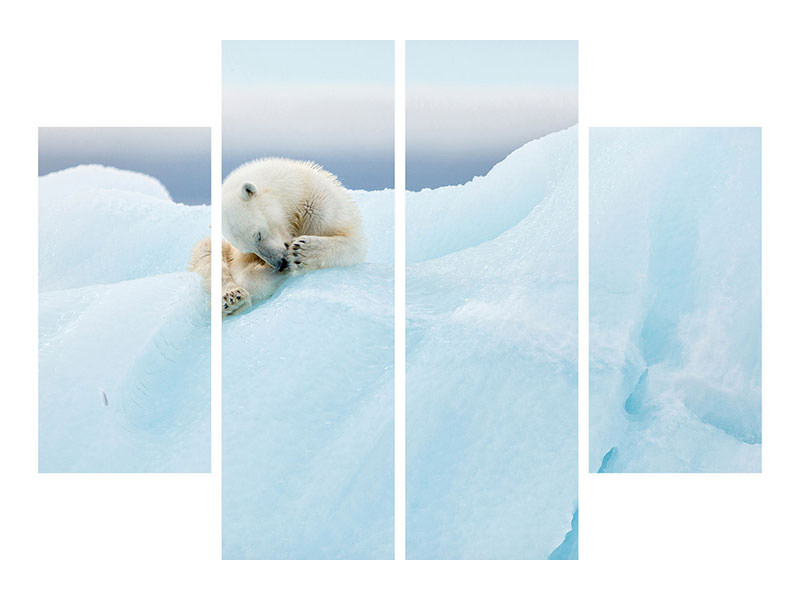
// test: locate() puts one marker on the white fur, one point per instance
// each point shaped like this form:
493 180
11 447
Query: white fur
281 216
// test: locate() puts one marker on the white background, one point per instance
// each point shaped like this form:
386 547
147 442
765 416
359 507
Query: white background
641 536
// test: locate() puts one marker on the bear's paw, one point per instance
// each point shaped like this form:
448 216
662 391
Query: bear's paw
234 298
304 253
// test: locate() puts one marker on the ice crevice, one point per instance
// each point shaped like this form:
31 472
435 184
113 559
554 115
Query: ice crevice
675 301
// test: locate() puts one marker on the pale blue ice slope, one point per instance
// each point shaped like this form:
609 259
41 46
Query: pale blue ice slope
307 411
492 360
123 327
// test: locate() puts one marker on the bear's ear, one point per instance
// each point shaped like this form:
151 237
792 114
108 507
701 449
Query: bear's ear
248 190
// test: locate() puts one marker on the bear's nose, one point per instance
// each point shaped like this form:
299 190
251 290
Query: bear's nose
283 264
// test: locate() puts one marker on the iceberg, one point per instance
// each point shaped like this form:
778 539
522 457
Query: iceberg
492 350
124 329
675 300
308 411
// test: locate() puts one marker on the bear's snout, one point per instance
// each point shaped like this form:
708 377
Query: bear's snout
275 257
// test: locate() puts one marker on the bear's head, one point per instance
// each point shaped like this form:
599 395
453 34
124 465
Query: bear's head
254 221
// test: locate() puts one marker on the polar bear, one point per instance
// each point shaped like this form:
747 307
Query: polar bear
280 217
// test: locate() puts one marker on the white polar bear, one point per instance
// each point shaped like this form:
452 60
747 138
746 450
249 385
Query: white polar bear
280 216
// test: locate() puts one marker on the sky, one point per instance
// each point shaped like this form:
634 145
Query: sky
471 103
468 105
330 101
179 157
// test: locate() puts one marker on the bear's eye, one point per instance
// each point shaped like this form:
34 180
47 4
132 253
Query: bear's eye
258 236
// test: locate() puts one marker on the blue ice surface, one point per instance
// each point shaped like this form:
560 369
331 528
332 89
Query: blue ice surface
492 349
124 333
675 300
308 411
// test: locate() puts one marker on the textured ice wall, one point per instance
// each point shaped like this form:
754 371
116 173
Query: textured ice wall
307 411
675 300
491 461
123 327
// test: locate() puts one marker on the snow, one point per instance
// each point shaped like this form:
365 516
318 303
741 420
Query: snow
675 300
307 412
124 330
491 456
308 381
